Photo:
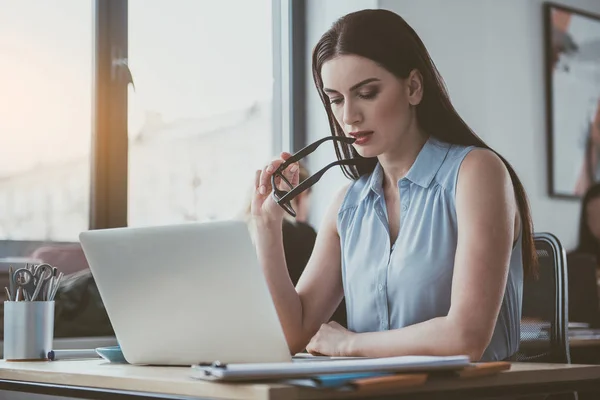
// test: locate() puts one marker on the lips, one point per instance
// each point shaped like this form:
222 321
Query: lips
362 137
360 134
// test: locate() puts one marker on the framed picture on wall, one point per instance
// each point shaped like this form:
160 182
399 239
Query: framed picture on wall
572 63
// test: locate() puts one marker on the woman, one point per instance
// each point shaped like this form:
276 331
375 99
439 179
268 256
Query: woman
589 222
590 168
430 240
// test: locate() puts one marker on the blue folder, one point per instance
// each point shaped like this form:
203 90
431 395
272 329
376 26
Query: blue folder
333 381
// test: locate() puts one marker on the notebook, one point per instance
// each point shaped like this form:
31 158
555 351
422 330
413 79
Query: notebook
271 371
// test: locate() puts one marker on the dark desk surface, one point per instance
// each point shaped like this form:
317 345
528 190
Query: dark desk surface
588 339
99 379
578 337
584 337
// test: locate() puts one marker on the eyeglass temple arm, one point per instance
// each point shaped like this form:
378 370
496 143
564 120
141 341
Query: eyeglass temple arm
300 154
289 196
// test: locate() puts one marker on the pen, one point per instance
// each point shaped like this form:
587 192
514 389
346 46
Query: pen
54 355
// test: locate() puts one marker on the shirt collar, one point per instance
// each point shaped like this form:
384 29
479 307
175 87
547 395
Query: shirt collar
426 165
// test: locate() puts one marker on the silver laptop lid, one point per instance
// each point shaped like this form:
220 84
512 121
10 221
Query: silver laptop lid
183 294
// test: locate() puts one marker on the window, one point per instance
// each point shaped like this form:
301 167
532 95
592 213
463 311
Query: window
83 149
211 103
45 119
200 119
200 116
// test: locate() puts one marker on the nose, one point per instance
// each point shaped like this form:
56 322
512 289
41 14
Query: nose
352 114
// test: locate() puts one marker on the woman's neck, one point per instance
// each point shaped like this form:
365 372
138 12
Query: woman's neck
397 162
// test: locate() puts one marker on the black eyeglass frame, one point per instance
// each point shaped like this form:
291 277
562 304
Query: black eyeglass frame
284 198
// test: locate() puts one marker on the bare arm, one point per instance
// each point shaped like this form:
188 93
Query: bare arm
487 227
320 286
301 310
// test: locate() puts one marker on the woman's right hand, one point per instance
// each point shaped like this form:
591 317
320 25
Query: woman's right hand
264 207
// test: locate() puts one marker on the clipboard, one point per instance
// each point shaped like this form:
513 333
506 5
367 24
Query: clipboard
271 371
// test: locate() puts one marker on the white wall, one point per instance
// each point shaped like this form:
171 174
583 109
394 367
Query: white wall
490 53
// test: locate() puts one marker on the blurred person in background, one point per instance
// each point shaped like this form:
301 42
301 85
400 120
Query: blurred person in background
589 222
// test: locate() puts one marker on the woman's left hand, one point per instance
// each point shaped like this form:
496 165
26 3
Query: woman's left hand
332 339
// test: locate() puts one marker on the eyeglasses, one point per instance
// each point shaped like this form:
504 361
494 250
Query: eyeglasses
284 197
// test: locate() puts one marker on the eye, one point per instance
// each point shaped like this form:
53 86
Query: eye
337 100
368 94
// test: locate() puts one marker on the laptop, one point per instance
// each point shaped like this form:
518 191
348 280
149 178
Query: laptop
186 294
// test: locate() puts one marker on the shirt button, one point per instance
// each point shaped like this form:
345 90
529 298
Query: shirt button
404 207
380 287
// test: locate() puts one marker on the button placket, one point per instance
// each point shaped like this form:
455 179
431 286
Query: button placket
404 197
382 295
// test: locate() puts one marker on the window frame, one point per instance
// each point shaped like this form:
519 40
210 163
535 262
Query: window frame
108 184
109 160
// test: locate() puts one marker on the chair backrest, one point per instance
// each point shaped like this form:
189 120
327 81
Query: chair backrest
544 320
584 302
68 258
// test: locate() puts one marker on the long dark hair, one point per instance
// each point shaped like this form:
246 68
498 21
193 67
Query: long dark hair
587 241
385 38
590 149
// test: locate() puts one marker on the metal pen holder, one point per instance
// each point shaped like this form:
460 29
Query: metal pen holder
28 330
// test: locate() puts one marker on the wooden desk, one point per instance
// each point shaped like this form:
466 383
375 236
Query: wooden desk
96 379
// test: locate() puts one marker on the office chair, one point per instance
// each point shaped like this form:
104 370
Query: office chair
544 319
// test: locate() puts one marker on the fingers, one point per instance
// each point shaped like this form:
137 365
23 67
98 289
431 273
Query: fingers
257 178
311 348
265 177
291 172
263 182
314 345
295 175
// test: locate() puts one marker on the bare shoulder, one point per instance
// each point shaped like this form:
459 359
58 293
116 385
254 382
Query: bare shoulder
484 182
483 165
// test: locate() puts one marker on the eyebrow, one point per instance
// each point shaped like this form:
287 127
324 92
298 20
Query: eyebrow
359 84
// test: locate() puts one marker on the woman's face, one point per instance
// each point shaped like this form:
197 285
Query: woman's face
593 217
370 103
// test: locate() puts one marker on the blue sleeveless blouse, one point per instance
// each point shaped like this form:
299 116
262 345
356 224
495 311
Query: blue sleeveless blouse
389 287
